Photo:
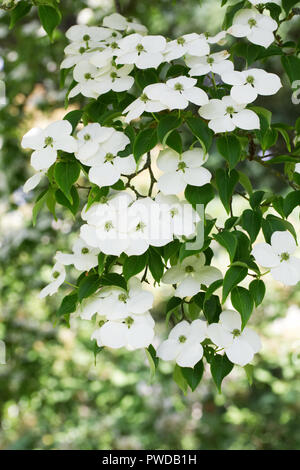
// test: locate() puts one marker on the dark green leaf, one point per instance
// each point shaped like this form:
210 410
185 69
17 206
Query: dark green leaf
193 376
66 174
230 148
220 367
144 142
50 18
257 289
88 286
233 276
134 265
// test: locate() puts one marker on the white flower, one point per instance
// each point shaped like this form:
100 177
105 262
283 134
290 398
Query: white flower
75 53
190 274
180 170
225 115
184 343
33 181
216 63
119 22
58 276
240 346
89 140
115 303
86 75
219 38
278 257
132 332
110 167
87 34
141 105
46 143
257 27
297 168
178 215
142 51
84 257
193 44
247 85
116 79
176 93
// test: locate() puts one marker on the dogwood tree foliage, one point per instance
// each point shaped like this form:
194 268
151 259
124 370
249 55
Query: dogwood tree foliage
141 91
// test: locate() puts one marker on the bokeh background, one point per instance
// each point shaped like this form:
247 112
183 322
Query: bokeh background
52 394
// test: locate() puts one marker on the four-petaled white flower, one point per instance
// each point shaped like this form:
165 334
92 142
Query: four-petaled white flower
87 34
193 44
89 139
143 104
143 51
181 170
83 258
247 85
116 79
226 114
176 93
257 27
216 63
184 343
58 276
46 143
120 23
190 274
277 256
132 332
239 345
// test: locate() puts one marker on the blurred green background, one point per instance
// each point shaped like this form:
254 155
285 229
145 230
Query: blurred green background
52 395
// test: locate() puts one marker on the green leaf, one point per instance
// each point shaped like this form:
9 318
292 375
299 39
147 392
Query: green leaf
156 264
68 305
245 182
201 130
74 117
272 224
233 276
199 194
249 373
257 289
220 367
96 194
226 183
174 141
40 201
66 174
153 359
288 5
61 199
166 125
134 265
230 14
251 222
242 301
291 201
50 18
88 286
230 148
228 241
114 279
291 65
144 142
212 309
194 375
172 305
179 379
101 263
19 12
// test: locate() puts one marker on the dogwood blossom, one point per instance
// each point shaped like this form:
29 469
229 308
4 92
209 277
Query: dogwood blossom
119 22
178 215
216 63
84 257
87 34
225 115
116 79
110 167
143 104
247 85
184 343
177 92
143 51
239 345
86 74
132 332
181 170
193 44
257 27
277 256
89 139
190 274
58 276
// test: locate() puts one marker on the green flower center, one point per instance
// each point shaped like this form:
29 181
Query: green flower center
85 251
182 339
178 87
122 298
114 75
140 227
252 22
236 333
48 141
109 157
284 256
129 321
250 79
87 137
108 226
181 166
144 98
82 50
55 274
173 212
114 45
88 76
86 37
230 110
189 269
180 41
140 48
210 60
